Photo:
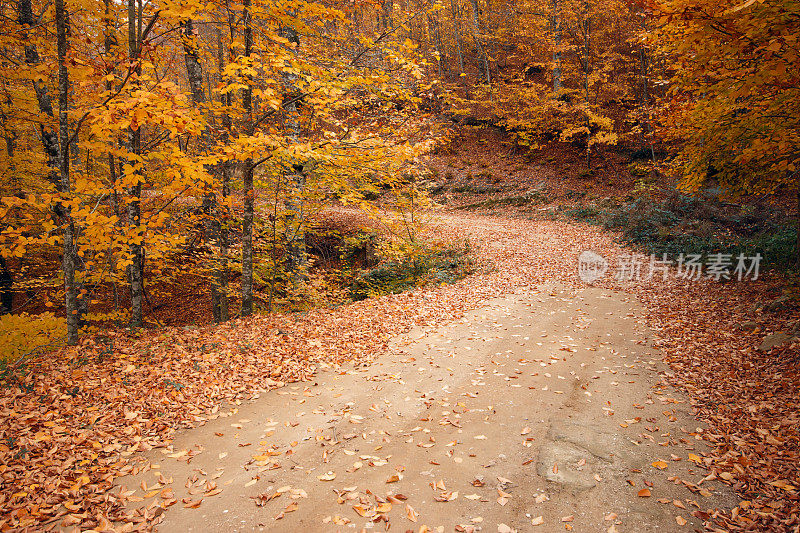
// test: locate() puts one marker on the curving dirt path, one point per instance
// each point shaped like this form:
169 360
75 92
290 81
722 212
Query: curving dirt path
540 410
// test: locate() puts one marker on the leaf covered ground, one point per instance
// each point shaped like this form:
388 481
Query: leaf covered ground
74 426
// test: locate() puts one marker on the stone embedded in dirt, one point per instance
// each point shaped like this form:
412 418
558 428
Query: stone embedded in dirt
576 452
602 445
777 339
558 463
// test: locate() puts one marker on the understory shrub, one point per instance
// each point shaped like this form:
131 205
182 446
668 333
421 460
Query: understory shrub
434 265
696 225
24 334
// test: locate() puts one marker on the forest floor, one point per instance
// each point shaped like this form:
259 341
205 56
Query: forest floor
518 392
543 407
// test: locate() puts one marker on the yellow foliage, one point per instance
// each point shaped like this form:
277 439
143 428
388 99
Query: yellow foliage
23 333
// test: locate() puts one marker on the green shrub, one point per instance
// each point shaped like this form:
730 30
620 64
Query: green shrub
446 265
530 198
476 189
690 225
586 213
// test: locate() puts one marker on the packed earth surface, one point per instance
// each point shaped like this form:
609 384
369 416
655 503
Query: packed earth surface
537 408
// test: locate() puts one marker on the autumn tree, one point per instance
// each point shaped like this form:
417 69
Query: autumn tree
164 161
735 102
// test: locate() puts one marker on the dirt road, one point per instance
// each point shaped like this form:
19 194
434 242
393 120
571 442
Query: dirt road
540 411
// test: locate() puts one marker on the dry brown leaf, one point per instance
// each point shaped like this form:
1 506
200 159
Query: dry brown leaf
411 514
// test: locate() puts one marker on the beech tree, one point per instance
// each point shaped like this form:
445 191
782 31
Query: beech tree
735 104
135 170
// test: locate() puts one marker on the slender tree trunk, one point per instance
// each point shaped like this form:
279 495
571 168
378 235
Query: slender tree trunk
48 133
483 58
69 256
221 311
222 217
295 178
6 288
247 179
194 71
6 278
135 270
556 48
436 47
387 21
457 26
586 64
51 143
109 41
437 36
274 218
10 136
644 60
114 168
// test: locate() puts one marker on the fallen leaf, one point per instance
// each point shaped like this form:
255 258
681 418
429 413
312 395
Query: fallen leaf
411 514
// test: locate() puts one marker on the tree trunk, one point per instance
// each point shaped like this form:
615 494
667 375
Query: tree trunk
69 256
6 288
457 26
223 215
646 137
6 278
52 143
114 166
135 270
437 29
586 67
387 21
219 289
483 58
247 179
194 72
11 137
109 41
556 48
295 178
49 135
